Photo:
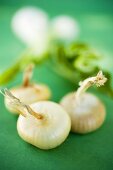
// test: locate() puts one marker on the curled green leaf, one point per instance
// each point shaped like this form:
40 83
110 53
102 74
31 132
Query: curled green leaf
77 62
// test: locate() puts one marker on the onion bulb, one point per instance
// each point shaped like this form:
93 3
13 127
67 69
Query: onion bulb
44 124
65 28
86 111
30 24
28 92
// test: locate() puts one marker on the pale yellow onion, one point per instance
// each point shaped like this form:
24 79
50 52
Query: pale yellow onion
86 111
44 124
29 95
28 92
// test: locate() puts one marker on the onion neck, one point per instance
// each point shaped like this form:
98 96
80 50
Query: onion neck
98 80
28 75
19 106
33 113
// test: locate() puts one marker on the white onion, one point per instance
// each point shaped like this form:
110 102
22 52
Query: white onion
86 111
28 95
46 133
65 27
28 92
30 24
44 124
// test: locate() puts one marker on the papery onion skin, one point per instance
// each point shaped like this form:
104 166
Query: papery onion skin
29 95
86 116
46 133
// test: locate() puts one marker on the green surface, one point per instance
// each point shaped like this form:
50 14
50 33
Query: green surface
79 152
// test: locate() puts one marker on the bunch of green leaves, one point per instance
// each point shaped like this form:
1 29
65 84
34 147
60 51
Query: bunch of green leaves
75 62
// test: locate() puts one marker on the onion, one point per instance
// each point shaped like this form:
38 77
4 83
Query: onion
65 28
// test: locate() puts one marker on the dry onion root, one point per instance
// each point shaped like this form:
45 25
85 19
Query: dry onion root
44 124
87 112
28 92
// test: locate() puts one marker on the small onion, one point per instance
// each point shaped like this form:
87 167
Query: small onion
86 111
28 92
43 124
30 24
65 28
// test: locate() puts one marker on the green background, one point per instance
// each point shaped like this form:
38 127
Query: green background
79 152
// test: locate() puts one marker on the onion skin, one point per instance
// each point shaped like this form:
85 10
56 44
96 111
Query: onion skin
29 95
46 133
87 115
